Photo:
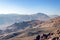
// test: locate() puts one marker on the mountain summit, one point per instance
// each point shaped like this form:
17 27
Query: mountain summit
41 16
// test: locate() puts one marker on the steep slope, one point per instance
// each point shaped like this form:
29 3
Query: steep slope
54 22
22 25
32 33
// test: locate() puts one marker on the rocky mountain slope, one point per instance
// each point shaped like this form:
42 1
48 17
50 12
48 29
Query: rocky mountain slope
49 26
22 25
54 22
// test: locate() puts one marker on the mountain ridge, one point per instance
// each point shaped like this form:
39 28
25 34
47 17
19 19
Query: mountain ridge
9 19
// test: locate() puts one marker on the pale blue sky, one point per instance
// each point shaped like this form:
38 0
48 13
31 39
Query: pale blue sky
49 7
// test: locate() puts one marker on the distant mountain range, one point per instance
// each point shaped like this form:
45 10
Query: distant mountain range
8 19
53 16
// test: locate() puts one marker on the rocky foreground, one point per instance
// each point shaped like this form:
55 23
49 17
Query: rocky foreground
49 36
